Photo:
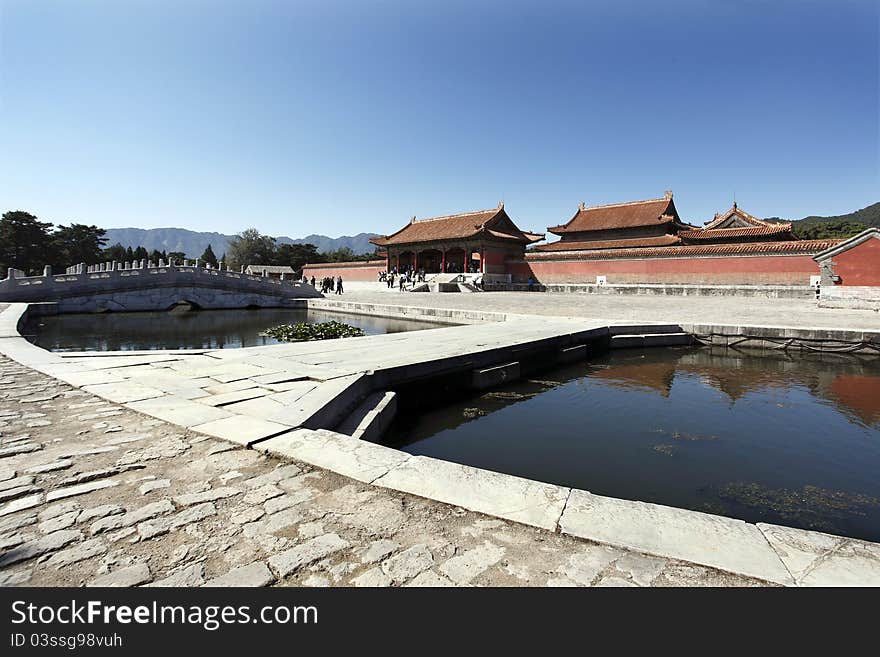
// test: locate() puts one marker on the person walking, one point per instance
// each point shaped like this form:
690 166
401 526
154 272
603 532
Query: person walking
339 285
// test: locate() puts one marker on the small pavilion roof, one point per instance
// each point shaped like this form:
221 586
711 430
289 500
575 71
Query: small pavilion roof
737 223
736 217
494 223
270 269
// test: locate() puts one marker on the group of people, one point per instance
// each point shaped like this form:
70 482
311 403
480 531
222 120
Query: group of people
330 284
407 277
408 272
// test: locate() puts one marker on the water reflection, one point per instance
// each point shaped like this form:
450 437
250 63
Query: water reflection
785 438
208 329
848 382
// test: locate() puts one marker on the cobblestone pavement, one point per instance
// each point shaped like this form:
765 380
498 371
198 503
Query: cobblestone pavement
637 308
94 494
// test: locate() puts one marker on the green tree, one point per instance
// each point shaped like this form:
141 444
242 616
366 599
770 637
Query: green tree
815 230
209 257
176 256
297 255
141 253
129 254
345 254
24 242
156 255
113 253
78 243
251 248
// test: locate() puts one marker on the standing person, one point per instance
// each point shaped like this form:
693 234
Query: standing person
339 285
313 281
531 283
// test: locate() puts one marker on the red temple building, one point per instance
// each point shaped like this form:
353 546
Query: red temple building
635 224
655 223
647 242
479 242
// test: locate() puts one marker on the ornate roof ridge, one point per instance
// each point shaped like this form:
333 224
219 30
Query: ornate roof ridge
457 214
582 207
769 225
735 209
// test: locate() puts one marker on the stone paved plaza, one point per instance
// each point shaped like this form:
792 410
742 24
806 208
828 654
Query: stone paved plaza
96 494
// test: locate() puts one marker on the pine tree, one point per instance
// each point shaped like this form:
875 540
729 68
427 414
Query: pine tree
209 257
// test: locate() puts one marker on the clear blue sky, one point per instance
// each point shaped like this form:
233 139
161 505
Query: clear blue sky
343 117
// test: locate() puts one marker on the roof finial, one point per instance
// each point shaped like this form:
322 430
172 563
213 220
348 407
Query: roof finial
582 206
413 220
500 205
667 194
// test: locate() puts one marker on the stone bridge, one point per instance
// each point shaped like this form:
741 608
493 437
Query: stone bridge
144 286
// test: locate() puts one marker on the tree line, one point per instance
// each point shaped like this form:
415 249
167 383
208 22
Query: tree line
821 230
27 244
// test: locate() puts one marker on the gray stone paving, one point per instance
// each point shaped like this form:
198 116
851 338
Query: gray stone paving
181 512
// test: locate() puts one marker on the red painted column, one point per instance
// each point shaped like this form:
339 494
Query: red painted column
442 262
398 263
415 261
482 260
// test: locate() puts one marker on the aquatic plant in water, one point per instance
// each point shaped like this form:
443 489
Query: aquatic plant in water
810 506
304 331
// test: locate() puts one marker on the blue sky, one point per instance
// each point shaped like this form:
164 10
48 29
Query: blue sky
343 117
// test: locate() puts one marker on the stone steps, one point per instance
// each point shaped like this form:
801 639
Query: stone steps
624 341
369 420
326 405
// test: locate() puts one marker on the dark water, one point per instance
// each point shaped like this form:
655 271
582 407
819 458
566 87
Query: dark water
205 329
765 438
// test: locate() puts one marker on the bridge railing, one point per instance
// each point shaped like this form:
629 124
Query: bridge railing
108 277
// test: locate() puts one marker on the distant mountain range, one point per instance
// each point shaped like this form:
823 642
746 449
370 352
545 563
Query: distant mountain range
193 243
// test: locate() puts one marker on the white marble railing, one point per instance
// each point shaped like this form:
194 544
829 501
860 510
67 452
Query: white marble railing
107 277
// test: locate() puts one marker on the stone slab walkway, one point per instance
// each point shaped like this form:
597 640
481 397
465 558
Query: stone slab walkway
97 494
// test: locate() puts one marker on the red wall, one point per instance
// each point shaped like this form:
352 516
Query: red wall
350 271
754 270
495 262
860 265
